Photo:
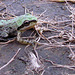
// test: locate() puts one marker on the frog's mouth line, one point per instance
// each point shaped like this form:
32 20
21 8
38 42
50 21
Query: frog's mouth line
26 25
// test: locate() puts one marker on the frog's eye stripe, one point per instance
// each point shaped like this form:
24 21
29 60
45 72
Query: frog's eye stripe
26 23
32 21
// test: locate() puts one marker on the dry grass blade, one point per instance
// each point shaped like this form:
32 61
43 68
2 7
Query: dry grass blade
2 43
72 54
73 1
59 65
10 60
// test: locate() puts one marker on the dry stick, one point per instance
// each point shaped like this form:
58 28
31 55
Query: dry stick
50 45
40 2
26 47
31 34
43 47
6 10
2 43
42 13
51 37
72 17
25 9
44 37
30 37
55 23
59 22
71 50
70 8
43 72
2 3
73 54
59 65
72 26
35 48
58 45
36 51
10 60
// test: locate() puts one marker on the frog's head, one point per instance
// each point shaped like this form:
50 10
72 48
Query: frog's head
29 22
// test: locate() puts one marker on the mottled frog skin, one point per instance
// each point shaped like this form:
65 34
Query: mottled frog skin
16 26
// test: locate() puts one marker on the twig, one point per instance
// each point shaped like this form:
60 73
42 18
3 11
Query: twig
44 37
72 55
72 24
59 65
43 72
68 6
53 23
71 10
53 45
42 13
59 22
10 60
2 43
71 50
51 37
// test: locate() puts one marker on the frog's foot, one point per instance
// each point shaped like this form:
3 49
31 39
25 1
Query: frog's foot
22 41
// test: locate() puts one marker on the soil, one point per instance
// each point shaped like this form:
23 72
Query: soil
59 55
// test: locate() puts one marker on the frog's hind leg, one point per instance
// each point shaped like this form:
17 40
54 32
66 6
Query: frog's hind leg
23 41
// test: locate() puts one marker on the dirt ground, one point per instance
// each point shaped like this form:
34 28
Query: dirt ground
55 12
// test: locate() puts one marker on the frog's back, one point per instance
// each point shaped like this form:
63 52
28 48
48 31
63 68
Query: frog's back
17 21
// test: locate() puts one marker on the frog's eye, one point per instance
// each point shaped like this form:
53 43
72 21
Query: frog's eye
25 24
25 21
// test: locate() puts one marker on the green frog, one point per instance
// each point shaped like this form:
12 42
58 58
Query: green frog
16 26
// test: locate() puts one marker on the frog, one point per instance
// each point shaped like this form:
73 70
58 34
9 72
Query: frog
17 26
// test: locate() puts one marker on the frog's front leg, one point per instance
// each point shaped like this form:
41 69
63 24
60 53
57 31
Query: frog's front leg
21 40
